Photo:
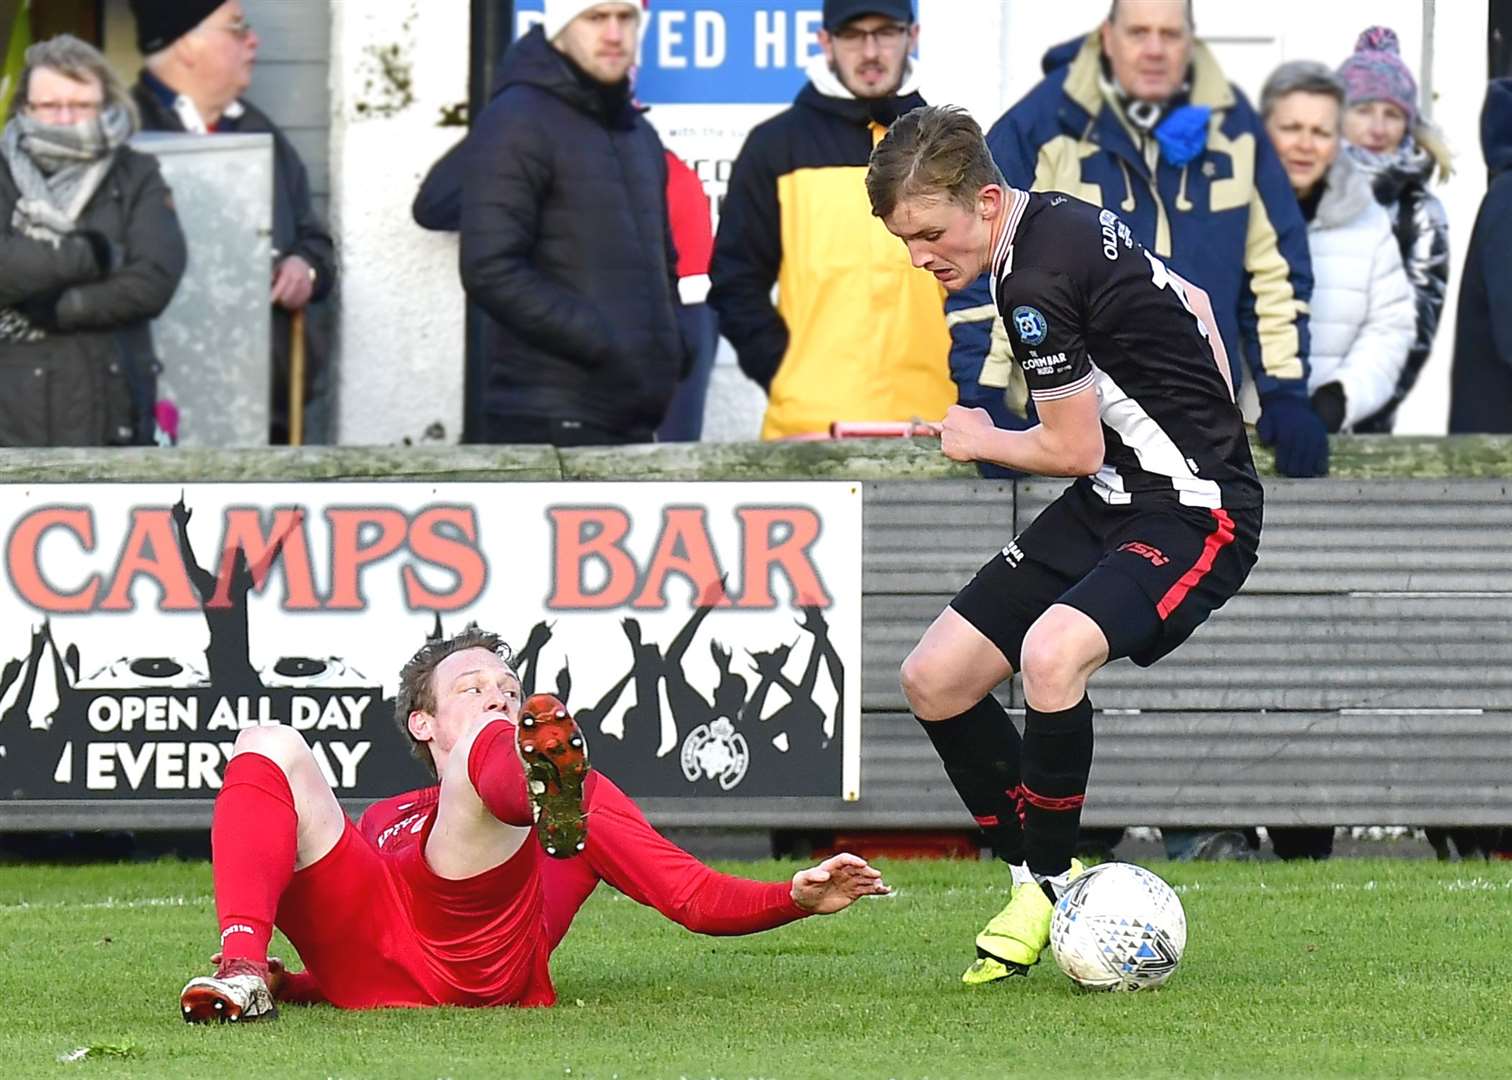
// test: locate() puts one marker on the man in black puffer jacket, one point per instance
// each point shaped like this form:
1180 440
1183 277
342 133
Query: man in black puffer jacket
565 241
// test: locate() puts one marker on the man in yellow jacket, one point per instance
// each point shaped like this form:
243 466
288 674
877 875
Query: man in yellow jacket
856 333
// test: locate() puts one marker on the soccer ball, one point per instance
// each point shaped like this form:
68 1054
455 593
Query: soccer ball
1118 927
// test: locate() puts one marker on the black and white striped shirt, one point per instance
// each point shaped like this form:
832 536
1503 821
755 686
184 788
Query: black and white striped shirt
1087 306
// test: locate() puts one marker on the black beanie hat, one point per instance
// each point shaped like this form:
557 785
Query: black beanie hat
839 12
162 22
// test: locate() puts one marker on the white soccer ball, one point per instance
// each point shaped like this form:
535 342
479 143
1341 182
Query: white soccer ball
1118 927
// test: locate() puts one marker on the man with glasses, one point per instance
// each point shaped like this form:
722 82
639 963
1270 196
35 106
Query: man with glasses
855 334
199 59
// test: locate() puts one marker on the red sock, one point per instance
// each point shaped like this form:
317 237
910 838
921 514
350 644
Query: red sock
497 776
253 844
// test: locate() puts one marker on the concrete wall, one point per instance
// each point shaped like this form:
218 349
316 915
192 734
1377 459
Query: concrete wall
394 67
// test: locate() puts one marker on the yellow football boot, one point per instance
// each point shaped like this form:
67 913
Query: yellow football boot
1013 939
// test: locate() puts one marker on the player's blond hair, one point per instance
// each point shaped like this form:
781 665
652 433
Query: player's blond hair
933 152
417 680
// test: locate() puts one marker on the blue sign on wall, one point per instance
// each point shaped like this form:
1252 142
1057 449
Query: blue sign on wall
718 52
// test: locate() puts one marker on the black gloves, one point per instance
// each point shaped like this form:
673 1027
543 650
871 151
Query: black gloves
42 311
106 255
1328 402
1294 430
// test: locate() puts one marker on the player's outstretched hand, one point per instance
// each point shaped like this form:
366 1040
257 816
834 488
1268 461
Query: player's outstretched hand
836 883
961 432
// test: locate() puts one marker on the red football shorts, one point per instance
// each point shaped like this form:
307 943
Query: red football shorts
378 929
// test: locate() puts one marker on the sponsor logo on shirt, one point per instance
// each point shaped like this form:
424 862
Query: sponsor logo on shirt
1030 324
1114 232
1044 365
1013 554
414 822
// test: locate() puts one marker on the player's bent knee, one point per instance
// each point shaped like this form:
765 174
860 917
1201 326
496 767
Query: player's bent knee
910 679
1054 662
284 746
924 686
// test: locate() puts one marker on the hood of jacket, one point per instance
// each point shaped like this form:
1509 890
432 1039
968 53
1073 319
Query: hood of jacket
1059 56
533 61
825 92
1496 126
1346 194
1083 59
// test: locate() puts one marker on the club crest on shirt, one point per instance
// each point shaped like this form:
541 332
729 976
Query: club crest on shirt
1030 325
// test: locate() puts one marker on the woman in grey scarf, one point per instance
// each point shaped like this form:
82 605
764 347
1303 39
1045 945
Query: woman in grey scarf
90 252
1390 139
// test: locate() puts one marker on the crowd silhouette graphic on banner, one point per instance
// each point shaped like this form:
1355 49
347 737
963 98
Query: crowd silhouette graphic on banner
159 726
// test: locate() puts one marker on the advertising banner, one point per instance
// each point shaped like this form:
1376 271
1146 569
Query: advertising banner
706 636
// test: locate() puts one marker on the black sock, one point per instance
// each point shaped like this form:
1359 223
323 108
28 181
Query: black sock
981 751
1057 762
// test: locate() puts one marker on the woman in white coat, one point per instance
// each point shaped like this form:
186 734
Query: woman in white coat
1363 320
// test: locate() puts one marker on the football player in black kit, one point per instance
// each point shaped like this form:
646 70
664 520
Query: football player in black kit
1160 528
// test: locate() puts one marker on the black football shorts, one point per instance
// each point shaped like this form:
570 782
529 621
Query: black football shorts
1148 576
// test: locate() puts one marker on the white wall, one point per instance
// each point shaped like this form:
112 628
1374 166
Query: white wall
402 358
402 320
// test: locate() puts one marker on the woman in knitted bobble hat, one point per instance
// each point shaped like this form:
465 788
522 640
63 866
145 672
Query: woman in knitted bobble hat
1399 149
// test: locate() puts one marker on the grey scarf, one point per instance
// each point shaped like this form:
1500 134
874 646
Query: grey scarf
1392 173
57 170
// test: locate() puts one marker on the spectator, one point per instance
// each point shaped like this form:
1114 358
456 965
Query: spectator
438 207
1362 312
1480 397
565 241
1399 149
857 333
1138 117
199 59
90 253
693 236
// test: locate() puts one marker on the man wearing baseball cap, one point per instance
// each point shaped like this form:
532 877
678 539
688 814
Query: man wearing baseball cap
199 56
565 239
856 333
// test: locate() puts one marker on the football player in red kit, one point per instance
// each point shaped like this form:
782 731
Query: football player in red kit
436 897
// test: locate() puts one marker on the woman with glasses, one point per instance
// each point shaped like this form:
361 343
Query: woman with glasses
90 253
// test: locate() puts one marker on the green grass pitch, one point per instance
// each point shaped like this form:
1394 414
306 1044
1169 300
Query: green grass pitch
1349 968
